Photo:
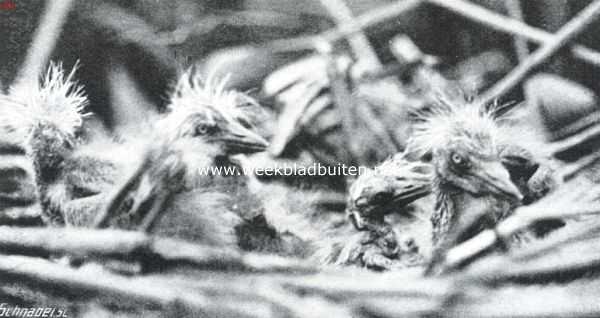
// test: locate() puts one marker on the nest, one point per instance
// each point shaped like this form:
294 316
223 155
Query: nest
341 114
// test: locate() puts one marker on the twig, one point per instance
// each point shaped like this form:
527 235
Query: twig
566 34
70 283
117 199
566 145
127 28
576 299
290 121
160 204
513 7
368 60
369 19
512 26
541 263
572 170
571 200
378 128
367 284
295 116
130 245
359 42
118 292
341 90
579 125
44 40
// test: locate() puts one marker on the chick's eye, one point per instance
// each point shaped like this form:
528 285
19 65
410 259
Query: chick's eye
204 129
201 129
459 160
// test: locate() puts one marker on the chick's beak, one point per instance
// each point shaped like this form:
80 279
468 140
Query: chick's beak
238 139
416 189
496 179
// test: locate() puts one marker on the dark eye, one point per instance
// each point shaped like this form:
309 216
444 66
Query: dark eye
459 160
205 129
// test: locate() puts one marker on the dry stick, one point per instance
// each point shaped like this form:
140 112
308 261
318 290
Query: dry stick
44 41
567 33
358 41
115 200
566 203
371 18
123 293
345 29
136 31
378 128
369 284
63 281
570 142
290 120
512 26
572 170
343 100
513 7
127 245
106 243
366 55
160 204
309 110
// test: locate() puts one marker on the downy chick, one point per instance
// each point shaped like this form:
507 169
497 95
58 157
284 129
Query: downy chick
48 117
175 192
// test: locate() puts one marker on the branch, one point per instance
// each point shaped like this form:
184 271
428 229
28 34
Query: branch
358 41
370 284
364 21
118 293
571 200
503 24
130 245
44 40
66 282
566 34
513 7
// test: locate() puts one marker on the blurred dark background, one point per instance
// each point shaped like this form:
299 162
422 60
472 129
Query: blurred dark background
153 40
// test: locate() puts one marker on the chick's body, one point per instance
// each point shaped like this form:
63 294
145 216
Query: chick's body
85 180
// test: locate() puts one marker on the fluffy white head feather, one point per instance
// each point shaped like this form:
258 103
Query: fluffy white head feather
193 92
58 100
449 122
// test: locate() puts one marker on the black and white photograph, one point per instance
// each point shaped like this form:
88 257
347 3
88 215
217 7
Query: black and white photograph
300 158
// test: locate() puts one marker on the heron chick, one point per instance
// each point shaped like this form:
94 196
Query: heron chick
388 188
199 132
471 184
47 118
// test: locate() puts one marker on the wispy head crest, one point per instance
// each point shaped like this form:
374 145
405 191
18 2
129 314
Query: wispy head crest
450 121
193 91
58 100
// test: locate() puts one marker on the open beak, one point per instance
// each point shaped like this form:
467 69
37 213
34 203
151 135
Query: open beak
496 179
238 139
